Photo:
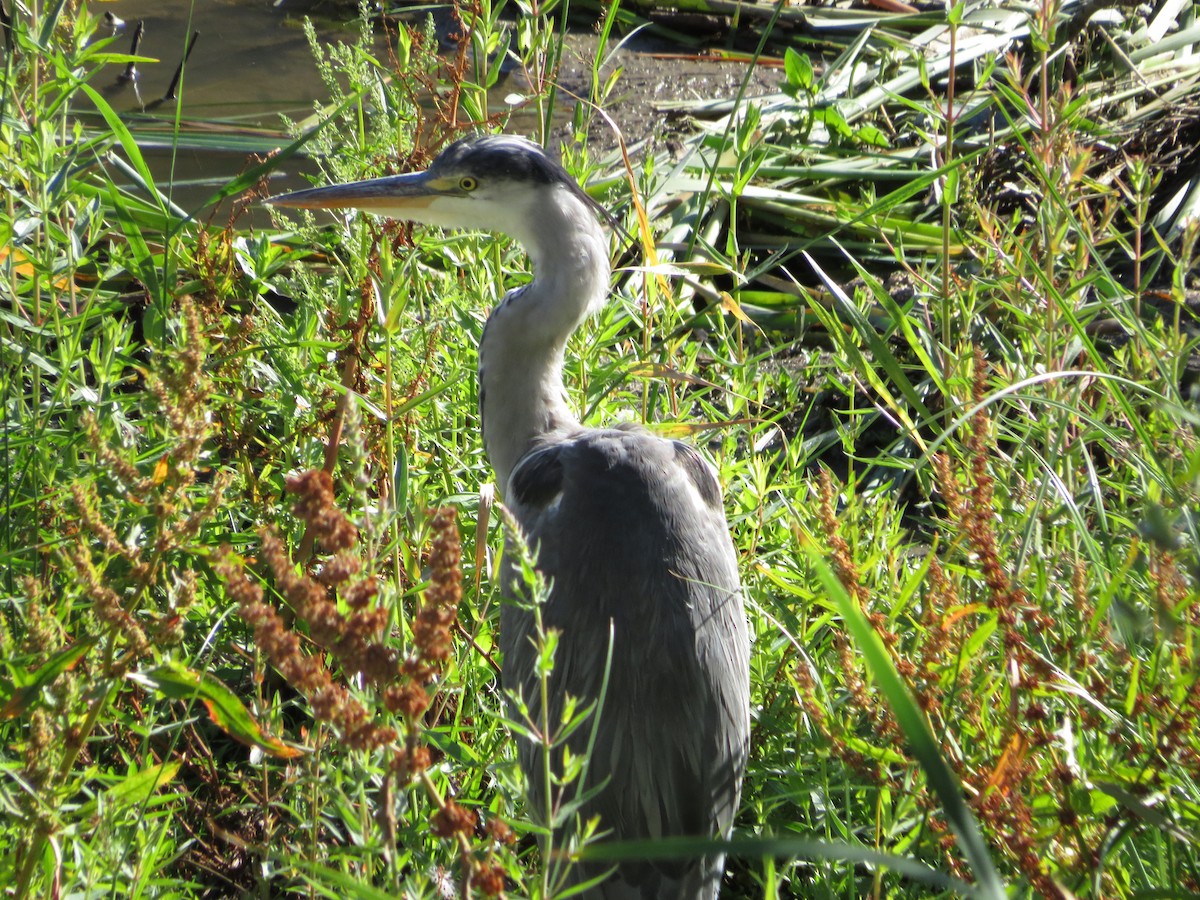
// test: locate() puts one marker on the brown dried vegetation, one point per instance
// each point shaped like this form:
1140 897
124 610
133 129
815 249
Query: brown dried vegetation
1059 667
128 572
357 644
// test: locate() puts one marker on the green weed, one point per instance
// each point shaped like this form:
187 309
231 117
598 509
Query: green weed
936 330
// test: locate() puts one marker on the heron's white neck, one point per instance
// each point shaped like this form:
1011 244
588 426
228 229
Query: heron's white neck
521 397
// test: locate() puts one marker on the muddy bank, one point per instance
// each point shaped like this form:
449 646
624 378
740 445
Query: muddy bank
251 64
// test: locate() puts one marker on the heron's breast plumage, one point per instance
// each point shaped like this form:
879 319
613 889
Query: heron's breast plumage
630 530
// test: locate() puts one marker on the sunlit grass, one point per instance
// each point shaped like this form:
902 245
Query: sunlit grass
956 378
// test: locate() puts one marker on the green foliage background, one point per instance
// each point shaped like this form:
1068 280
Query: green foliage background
937 333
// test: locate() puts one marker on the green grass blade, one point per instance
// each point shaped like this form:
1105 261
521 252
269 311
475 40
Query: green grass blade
224 707
132 152
915 727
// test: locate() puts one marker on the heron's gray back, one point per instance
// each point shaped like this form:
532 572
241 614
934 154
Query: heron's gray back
631 531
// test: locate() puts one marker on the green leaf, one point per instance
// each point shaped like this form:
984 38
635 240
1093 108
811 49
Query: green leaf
145 267
50 16
128 144
799 69
952 185
545 660
333 883
20 699
224 708
844 309
869 134
768 846
400 480
140 786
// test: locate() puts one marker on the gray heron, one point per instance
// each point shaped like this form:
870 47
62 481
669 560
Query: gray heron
628 528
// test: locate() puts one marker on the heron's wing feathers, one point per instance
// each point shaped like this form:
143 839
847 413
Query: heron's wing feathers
631 531
701 474
537 479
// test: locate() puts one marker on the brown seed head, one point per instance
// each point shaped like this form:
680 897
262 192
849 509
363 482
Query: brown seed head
489 880
452 819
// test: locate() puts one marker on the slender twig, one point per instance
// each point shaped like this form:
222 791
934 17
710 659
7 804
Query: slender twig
174 85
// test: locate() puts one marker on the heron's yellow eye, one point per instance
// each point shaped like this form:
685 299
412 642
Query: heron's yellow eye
468 183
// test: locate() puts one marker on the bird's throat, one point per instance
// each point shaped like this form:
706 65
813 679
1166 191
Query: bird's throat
521 398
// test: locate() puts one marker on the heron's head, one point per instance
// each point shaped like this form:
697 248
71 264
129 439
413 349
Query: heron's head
494 183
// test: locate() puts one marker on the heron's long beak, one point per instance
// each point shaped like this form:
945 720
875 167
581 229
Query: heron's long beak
393 194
